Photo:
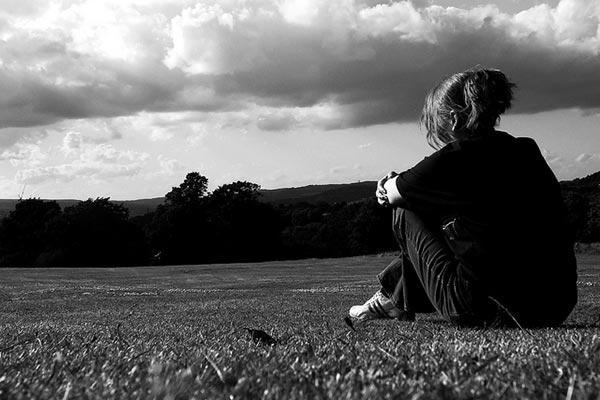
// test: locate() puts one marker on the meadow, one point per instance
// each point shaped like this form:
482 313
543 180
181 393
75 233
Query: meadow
180 332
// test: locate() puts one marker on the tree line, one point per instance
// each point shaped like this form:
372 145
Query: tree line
193 225
230 224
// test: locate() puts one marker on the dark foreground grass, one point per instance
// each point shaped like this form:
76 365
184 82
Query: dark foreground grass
179 333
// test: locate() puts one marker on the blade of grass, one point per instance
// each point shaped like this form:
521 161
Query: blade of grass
12 346
510 315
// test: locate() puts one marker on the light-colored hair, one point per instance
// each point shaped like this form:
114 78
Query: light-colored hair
477 96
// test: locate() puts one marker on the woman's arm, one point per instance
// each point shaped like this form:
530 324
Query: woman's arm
387 191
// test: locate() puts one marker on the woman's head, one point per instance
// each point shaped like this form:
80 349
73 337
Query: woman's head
464 104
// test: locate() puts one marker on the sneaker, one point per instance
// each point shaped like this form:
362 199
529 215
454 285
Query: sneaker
377 307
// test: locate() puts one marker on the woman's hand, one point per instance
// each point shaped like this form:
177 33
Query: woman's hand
381 193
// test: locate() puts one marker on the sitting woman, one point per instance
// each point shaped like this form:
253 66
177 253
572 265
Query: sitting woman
480 223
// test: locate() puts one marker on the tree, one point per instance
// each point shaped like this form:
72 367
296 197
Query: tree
179 231
26 232
370 230
95 233
193 188
591 233
239 192
244 229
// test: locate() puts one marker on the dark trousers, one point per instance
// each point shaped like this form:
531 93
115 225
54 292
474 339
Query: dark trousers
427 277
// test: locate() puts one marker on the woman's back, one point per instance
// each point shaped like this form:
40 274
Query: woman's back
527 259
506 216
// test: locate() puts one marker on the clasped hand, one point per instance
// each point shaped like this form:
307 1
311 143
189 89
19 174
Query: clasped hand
381 193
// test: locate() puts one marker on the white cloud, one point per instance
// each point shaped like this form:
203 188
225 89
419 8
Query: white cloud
550 157
207 38
269 118
165 127
169 166
10 137
158 134
105 153
24 154
198 137
301 12
97 162
586 157
277 121
400 20
78 134
572 167
102 29
586 164
72 142
69 172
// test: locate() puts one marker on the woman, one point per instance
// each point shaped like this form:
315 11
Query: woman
480 223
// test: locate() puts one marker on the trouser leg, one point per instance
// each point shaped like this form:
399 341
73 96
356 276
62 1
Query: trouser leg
400 283
428 266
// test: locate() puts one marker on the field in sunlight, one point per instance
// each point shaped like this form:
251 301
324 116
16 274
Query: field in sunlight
180 332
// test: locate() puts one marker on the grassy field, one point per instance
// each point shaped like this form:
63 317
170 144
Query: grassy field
180 332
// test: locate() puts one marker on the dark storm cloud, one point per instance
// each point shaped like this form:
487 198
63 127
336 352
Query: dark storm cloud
367 62
380 70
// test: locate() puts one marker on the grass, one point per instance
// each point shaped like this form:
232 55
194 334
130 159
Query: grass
179 333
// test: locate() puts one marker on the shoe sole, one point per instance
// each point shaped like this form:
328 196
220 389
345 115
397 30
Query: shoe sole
403 316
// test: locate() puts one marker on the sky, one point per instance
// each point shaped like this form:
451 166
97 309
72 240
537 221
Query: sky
122 98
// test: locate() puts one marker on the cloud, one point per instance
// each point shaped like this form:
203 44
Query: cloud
375 64
572 167
367 62
72 142
11 136
280 121
69 172
586 164
163 127
80 133
96 162
586 157
84 59
169 166
25 154
551 157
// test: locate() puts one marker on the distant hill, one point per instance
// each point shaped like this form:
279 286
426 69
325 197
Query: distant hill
320 193
141 206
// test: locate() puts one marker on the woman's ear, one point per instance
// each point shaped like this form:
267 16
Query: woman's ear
453 120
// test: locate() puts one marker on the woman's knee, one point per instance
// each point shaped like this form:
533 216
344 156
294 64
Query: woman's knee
406 221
